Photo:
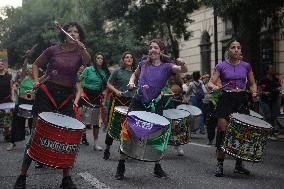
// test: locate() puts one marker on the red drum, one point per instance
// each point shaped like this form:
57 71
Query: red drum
56 140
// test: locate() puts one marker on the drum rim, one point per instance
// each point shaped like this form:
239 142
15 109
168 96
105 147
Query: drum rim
117 110
254 126
242 158
58 126
187 105
29 105
7 103
173 109
165 119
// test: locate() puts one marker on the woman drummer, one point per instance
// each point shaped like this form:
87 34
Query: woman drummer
57 93
93 83
26 84
152 75
6 95
233 73
117 83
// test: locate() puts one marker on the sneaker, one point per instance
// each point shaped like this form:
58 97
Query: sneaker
11 146
106 154
85 141
219 170
38 165
180 151
120 170
67 183
241 170
21 182
159 172
97 148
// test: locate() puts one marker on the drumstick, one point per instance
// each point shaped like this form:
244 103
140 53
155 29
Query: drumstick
53 73
58 26
230 82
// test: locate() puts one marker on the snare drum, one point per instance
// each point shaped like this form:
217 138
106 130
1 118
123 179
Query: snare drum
246 137
180 132
90 116
118 116
145 136
56 140
195 115
254 114
25 110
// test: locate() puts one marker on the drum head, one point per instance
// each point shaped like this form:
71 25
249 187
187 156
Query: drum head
175 114
150 117
250 120
121 109
254 114
62 120
8 105
193 110
28 107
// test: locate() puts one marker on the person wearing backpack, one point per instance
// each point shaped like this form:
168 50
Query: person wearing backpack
197 92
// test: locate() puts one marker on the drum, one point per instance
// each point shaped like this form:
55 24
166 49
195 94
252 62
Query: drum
254 114
246 137
195 115
145 136
7 107
90 116
119 114
56 140
25 110
180 131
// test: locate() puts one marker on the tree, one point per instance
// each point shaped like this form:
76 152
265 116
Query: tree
248 18
166 19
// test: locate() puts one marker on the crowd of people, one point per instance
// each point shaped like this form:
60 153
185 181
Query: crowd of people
78 86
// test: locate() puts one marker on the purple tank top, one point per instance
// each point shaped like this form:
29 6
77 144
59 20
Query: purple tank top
66 64
235 75
155 77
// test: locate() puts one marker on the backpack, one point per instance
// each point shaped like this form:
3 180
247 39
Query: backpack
199 93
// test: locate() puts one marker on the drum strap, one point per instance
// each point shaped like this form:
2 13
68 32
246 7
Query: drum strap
45 89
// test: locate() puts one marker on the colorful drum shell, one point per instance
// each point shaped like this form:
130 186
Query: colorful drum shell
25 110
246 137
90 116
180 131
195 115
151 148
56 140
118 116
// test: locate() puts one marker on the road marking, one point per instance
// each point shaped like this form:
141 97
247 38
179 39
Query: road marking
93 181
202 145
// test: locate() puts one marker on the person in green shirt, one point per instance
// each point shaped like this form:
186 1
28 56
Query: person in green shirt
117 83
93 82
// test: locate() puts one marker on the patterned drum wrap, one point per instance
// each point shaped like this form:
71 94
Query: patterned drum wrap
246 137
119 114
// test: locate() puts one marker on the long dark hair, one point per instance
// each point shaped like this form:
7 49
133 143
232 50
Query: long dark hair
103 67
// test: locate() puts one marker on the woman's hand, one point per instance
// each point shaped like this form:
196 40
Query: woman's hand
81 45
118 93
131 86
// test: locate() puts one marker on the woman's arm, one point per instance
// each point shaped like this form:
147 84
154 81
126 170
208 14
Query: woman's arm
79 91
180 67
39 62
113 89
253 87
213 82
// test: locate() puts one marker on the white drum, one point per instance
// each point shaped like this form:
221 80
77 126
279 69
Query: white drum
254 114
195 115
180 131
25 110
90 116
7 107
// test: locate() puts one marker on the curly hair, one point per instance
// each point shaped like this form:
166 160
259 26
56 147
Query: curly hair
62 36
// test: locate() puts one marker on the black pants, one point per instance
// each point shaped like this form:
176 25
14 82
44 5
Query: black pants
18 122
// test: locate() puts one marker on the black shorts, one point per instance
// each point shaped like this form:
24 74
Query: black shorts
231 102
59 93
94 97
